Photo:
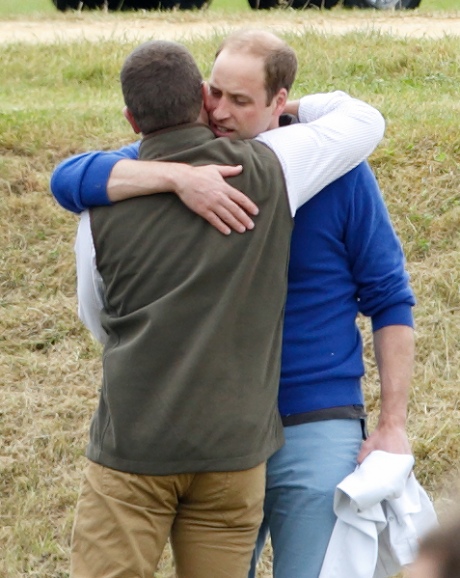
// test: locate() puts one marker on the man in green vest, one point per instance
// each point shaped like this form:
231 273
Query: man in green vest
191 321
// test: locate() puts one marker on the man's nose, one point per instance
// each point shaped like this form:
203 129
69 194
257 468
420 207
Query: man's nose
221 110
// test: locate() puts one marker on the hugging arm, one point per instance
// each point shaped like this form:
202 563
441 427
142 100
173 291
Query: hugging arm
101 178
342 131
336 132
202 189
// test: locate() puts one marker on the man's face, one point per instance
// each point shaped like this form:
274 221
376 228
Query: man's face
237 99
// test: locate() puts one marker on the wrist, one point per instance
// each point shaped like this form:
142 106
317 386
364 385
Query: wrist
392 421
177 175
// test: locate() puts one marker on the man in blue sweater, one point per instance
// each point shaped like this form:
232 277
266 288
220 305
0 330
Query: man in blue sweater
345 259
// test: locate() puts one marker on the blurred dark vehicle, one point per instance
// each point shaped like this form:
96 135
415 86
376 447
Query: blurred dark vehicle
114 5
327 4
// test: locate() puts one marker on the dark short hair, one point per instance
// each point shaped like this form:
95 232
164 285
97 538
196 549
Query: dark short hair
161 85
280 61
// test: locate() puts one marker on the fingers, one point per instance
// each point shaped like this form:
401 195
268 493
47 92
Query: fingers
234 194
228 216
217 223
244 203
205 192
229 170
393 441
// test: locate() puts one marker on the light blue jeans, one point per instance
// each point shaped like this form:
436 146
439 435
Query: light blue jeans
301 479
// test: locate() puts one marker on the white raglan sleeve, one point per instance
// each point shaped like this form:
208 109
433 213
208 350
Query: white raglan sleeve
90 287
336 132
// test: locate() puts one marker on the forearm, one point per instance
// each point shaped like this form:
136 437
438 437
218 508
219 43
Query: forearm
361 123
312 107
135 178
335 133
394 353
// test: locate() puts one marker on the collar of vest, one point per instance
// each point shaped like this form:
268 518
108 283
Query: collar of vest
173 140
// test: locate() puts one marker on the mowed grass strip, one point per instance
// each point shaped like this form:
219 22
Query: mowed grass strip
65 98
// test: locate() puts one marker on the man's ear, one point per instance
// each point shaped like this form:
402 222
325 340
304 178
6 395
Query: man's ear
280 101
129 117
203 116
205 93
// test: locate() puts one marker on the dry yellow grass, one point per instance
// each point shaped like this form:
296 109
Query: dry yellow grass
49 366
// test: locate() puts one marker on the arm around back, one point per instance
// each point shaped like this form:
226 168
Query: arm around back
101 178
336 132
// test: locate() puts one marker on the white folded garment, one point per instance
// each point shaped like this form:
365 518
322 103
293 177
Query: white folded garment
382 512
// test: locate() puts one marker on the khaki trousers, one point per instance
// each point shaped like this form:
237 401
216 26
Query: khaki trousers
123 522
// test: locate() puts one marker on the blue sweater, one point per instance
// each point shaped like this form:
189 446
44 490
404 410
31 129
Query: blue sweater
345 259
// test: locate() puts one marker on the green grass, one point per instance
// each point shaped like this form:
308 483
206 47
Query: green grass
26 7
63 98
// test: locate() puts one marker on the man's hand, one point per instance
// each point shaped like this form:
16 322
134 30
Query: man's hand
391 439
204 191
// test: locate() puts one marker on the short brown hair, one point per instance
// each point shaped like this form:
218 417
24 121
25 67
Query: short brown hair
161 85
280 61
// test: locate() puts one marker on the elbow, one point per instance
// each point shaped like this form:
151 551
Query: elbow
57 187
54 184
380 125
60 188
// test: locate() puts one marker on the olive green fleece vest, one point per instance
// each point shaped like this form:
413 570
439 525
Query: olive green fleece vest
191 367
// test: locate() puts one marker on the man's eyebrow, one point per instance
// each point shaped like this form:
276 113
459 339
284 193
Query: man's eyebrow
241 95
235 94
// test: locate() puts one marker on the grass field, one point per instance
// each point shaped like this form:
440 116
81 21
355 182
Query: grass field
60 99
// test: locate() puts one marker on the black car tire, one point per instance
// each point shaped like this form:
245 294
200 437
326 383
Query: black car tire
125 5
380 4
412 4
263 4
183 4
326 4
134 5
64 5
297 4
